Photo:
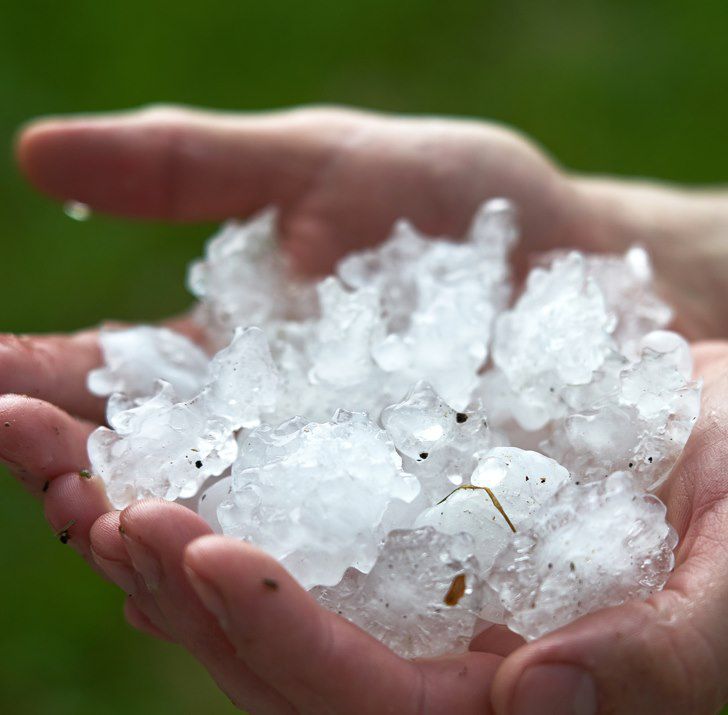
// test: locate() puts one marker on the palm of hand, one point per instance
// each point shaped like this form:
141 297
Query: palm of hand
340 179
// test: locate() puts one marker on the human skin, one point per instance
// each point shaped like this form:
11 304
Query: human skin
340 179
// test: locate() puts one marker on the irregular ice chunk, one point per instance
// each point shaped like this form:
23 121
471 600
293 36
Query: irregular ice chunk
439 299
521 480
135 358
167 447
449 460
242 380
317 501
350 324
594 546
557 334
210 500
627 284
473 512
421 423
641 423
245 280
421 597
162 448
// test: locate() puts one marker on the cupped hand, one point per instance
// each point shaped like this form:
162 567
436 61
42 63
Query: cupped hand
340 179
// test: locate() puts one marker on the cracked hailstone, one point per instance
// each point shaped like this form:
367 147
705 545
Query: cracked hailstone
436 379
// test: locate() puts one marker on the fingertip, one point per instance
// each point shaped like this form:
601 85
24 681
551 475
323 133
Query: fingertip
200 550
111 162
222 558
39 441
155 516
78 499
106 539
40 153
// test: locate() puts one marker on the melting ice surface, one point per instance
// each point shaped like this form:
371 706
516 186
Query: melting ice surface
420 444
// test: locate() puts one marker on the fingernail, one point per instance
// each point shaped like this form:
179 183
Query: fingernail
209 595
119 572
554 690
145 562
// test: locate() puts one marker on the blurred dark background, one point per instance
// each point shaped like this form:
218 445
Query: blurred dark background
632 87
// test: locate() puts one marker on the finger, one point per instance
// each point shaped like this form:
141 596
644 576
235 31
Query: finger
178 164
72 503
52 368
110 554
155 534
316 659
137 619
39 442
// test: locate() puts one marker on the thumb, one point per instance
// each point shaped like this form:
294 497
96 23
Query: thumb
666 655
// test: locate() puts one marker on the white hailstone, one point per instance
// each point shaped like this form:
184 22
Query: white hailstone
242 380
245 280
591 547
439 445
627 284
439 299
641 423
168 447
666 342
557 334
316 503
473 512
161 448
521 480
421 423
350 324
421 598
494 228
210 499
135 358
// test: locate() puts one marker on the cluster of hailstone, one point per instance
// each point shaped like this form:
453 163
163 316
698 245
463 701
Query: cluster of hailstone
423 449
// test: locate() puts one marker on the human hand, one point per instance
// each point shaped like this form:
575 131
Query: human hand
340 178
273 650
338 175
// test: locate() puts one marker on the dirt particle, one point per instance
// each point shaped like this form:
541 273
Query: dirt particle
84 474
461 417
424 455
270 583
45 486
456 590
198 463
63 533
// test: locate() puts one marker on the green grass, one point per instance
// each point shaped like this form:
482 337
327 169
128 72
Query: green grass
624 87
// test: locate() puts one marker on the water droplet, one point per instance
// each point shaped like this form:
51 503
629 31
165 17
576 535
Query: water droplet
77 210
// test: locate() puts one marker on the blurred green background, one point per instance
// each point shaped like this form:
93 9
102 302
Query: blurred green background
628 87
